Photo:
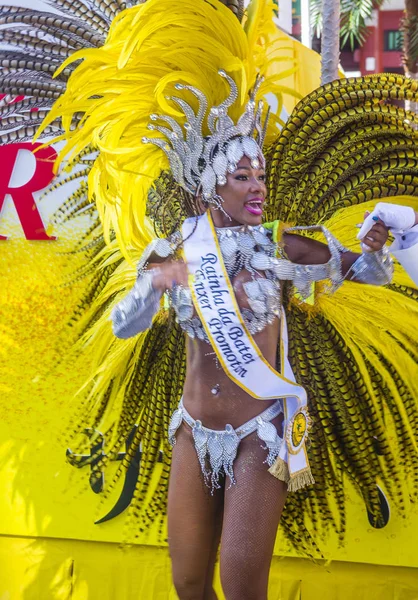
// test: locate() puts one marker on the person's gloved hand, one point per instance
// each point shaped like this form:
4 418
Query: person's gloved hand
395 216
376 236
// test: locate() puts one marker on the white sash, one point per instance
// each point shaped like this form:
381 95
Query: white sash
240 357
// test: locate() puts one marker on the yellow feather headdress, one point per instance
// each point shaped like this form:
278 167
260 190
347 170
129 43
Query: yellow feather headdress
151 48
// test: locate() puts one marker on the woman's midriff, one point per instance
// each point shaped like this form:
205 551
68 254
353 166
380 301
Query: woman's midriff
230 403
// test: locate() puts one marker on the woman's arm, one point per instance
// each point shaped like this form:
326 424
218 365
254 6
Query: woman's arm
373 266
156 275
134 313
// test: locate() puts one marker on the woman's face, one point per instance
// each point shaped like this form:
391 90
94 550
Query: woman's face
243 196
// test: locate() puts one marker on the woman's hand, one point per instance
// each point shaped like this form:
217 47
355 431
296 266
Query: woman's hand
168 274
376 237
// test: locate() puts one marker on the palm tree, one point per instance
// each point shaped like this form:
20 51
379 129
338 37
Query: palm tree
330 55
353 18
331 20
409 39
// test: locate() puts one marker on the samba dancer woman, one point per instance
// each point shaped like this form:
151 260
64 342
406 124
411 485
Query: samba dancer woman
221 491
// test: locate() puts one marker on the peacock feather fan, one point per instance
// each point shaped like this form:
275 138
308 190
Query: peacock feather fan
355 351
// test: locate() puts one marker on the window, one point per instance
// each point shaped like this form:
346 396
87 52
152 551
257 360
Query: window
392 41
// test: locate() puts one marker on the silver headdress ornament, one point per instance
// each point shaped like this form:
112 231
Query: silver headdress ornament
199 163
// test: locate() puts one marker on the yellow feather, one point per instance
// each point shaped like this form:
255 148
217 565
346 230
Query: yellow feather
149 48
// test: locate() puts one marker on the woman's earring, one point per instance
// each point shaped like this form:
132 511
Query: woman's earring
217 201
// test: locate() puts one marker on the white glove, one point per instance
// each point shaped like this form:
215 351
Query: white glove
398 218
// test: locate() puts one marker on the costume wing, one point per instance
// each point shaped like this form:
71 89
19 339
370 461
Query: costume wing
346 146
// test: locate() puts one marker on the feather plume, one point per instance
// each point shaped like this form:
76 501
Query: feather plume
344 148
149 48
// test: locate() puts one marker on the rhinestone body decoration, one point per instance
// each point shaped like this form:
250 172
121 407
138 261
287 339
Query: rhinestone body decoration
267 433
175 423
250 249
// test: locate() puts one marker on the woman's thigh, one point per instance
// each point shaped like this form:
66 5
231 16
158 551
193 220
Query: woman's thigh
193 519
252 511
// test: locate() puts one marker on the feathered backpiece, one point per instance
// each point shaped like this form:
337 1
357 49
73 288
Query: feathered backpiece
344 147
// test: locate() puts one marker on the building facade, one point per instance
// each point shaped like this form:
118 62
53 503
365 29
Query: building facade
380 52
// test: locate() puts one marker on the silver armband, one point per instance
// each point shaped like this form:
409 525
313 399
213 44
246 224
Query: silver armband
375 268
135 312
163 247
305 275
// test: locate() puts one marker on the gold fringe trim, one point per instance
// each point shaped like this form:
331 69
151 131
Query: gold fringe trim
280 470
300 480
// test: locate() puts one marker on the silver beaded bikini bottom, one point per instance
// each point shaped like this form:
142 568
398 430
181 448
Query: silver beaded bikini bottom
218 449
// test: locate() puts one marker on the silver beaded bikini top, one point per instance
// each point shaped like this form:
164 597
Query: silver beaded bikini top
252 249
